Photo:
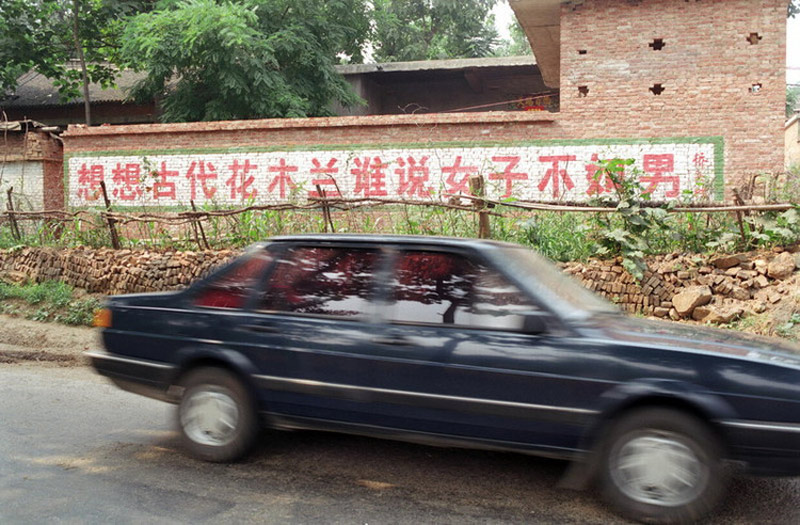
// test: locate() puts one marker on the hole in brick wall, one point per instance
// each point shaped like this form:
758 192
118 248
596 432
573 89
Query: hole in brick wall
658 44
583 91
657 89
755 88
582 51
754 38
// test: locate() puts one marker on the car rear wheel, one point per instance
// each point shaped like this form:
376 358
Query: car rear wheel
662 466
216 416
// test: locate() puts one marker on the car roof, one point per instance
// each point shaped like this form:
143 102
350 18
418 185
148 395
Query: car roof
390 239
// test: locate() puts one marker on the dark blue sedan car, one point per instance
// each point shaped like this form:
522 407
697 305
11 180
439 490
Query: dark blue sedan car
463 343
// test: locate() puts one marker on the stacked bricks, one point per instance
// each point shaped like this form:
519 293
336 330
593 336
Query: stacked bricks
108 271
733 285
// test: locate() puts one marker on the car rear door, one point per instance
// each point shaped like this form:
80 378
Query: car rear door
455 360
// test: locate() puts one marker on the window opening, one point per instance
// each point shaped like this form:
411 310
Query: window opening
582 51
754 38
583 91
755 88
657 89
658 44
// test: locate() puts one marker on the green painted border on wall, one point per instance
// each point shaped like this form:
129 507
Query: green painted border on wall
717 141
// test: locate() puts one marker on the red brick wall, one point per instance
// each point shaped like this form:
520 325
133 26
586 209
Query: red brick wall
707 68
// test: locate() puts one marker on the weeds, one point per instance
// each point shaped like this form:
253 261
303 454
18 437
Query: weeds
47 301
636 229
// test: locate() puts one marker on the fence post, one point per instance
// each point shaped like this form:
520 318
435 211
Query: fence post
114 237
737 199
326 212
477 189
198 225
12 218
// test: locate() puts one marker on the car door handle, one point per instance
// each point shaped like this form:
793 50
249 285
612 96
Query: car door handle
262 328
392 340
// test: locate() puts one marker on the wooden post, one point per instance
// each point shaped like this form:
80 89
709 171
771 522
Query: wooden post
111 228
737 199
477 189
326 212
199 226
12 218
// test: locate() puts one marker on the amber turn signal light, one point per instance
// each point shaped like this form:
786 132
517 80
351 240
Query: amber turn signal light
102 318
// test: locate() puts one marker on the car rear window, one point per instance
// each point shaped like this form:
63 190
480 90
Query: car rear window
232 287
322 281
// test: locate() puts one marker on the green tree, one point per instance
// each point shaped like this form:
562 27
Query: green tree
794 8
517 44
52 36
792 99
433 29
217 60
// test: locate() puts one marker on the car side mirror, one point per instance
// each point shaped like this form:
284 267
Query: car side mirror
534 324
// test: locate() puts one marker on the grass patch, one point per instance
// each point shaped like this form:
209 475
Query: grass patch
50 301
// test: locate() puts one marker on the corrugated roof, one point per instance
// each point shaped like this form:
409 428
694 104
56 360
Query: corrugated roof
433 65
18 125
34 89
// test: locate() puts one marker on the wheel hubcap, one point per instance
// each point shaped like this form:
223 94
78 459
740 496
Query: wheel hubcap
209 417
658 468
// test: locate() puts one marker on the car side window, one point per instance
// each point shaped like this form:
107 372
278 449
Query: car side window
449 289
231 289
321 281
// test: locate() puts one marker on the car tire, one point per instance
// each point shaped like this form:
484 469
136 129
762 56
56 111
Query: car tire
216 416
660 465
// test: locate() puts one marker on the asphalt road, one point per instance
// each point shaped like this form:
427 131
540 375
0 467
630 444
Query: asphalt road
74 449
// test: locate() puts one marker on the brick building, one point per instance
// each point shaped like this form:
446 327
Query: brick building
31 163
692 90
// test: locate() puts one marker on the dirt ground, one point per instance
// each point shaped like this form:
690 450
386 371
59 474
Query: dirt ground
48 344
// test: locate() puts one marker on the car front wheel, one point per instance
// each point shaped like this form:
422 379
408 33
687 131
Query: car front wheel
662 466
216 416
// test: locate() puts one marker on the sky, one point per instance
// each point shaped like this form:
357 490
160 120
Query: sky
503 16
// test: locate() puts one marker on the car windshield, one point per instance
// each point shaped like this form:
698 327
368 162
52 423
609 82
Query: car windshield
552 282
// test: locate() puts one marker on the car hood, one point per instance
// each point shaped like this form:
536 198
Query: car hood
701 339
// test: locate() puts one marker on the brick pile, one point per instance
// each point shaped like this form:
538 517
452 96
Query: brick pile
714 290
108 271
610 279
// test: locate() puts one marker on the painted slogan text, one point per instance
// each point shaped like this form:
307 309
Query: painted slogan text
536 173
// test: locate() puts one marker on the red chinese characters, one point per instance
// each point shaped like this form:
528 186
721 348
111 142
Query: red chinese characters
508 175
200 172
657 167
126 181
239 182
283 177
324 178
555 174
414 177
89 179
602 181
370 177
163 187
455 185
